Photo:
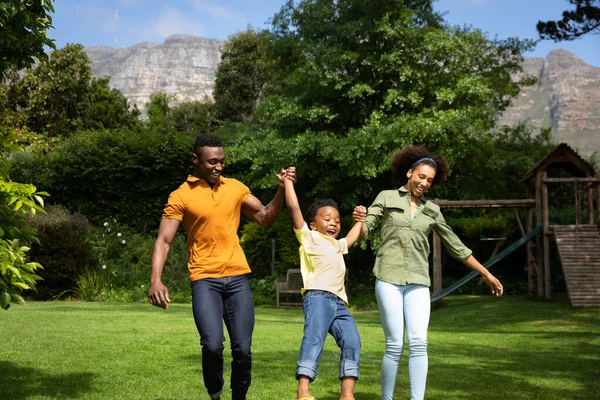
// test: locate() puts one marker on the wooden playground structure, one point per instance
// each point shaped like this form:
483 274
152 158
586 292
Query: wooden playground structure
578 244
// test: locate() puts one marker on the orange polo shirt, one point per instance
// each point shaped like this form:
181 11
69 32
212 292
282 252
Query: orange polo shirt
211 218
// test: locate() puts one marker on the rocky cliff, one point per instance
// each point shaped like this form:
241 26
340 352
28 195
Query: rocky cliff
183 65
566 97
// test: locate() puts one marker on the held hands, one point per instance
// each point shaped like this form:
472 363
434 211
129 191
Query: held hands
359 214
287 173
159 295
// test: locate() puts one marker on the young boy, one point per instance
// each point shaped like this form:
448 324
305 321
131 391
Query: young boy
325 300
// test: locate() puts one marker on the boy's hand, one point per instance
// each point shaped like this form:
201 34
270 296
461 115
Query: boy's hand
359 214
290 174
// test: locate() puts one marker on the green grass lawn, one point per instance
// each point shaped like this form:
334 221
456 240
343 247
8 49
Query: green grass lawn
480 347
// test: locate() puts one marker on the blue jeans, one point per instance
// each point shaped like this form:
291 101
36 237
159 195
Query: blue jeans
218 300
325 313
400 304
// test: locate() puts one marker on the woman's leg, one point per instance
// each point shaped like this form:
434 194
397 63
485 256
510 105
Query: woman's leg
417 308
389 301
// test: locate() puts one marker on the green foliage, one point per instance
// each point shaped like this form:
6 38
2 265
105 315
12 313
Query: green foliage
574 24
59 97
263 291
24 26
257 244
109 108
192 117
16 273
63 249
158 110
55 95
105 175
241 76
124 263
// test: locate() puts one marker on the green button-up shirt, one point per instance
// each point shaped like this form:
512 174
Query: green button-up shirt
404 251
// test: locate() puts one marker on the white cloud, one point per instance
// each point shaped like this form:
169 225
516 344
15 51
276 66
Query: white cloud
170 22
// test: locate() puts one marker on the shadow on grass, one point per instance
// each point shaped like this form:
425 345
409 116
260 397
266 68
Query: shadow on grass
20 383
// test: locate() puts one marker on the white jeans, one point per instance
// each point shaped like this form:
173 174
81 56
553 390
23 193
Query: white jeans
397 304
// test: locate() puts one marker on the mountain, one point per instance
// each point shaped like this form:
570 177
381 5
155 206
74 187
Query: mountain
183 65
565 98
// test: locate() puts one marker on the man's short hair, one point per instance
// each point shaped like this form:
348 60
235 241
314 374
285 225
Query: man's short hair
207 139
314 208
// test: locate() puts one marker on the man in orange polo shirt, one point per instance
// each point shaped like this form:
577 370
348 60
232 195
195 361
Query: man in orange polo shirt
209 207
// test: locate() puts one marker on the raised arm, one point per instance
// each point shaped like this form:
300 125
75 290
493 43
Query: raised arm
358 229
158 293
291 201
265 215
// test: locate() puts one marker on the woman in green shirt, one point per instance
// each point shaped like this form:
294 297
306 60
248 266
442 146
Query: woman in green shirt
401 266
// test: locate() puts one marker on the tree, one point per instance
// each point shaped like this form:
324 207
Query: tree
59 97
574 24
241 76
356 80
24 27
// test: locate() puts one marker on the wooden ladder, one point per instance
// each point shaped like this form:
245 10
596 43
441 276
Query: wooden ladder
579 252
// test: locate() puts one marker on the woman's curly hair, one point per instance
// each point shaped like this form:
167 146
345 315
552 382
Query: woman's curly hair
406 158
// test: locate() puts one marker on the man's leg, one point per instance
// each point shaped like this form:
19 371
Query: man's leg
347 338
238 315
207 306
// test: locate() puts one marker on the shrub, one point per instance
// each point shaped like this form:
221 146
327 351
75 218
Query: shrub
63 250
257 241
124 263
119 174
263 291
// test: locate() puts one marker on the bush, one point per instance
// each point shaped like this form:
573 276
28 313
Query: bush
124 264
63 250
263 291
119 174
257 241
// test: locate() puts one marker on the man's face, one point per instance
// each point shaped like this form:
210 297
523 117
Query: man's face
209 163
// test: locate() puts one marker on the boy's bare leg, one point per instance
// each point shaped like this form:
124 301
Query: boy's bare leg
303 388
347 388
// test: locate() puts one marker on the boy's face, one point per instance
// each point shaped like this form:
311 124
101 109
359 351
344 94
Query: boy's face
327 222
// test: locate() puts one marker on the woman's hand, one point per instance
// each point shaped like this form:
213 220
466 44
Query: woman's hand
494 284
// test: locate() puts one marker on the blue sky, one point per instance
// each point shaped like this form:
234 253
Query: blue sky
122 23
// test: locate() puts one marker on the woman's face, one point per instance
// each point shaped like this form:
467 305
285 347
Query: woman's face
420 179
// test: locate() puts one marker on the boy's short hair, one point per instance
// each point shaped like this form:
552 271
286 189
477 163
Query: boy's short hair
314 208
207 139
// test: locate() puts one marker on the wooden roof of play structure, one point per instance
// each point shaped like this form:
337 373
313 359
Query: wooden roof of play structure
564 157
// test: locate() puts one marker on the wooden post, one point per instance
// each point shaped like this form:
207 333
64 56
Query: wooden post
591 205
577 205
546 240
598 200
437 264
538 219
530 262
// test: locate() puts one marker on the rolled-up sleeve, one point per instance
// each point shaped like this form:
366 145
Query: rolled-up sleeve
451 242
374 214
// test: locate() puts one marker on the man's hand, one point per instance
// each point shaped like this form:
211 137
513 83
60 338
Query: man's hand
359 214
159 295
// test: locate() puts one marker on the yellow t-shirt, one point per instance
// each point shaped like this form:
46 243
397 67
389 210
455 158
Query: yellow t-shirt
211 218
322 262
